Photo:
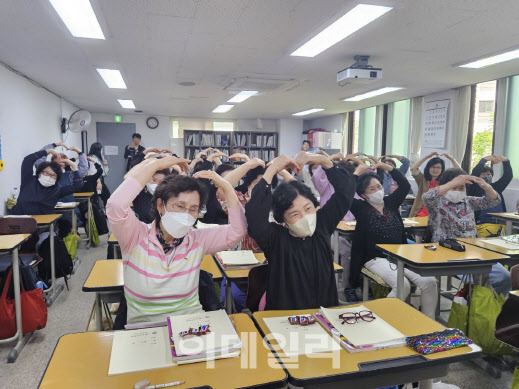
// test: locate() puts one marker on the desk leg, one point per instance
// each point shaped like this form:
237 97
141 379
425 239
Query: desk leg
418 239
508 227
400 280
336 254
89 244
55 289
99 313
426 384
438 304
74 221
228 297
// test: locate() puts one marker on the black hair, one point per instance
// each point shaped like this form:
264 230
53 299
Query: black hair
95 149
487 169
224 167
172 186
389 161
364 181
136 135
53 165
449 175
202 165
348 165
249 178
166 172
284 196
431 162
307 141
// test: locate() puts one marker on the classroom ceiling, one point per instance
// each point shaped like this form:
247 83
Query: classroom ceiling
158 44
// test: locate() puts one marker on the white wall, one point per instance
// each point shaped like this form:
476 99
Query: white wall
328 123
30 117
289 137
269 125
158 137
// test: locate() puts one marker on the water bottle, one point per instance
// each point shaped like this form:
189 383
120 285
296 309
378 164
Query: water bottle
14 193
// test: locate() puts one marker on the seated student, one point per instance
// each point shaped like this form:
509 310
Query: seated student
301 273
388 183
485 223
379 222
67 177
427 180
39 193
215 214
451 214
162 259
325 190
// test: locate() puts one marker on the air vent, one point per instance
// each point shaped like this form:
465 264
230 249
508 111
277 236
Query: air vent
263 85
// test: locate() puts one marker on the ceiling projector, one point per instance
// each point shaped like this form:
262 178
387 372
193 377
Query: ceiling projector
359 73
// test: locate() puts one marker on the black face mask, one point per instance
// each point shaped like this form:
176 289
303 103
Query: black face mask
487 179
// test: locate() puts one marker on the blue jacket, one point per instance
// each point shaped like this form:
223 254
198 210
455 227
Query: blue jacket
386 183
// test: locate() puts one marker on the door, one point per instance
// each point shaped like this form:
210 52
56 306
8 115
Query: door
115 137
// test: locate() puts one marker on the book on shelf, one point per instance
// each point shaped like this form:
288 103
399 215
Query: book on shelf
220 341
192 140
207 140
363 334
237 259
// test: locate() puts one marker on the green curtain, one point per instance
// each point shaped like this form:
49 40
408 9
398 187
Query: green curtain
367 127
511 141
398 128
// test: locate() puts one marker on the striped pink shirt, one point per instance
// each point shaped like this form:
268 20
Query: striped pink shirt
157 285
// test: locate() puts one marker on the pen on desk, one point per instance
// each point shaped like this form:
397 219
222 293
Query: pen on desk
165 385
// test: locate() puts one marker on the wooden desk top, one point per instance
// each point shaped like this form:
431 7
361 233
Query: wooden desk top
392 311
506 215
244 273
43 220
422 223
106 275
83 194
59 207
418 255
498 249
82 360
515 292
112 239
10 242
210 266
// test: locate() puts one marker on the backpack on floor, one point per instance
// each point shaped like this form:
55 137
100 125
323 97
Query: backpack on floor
63 261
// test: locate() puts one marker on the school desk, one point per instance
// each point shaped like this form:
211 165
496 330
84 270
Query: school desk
371 369
480 242
10 244
441 262
515 292
243 274
86 196
63 209
114 245
508 218
82 360
48 221
106 280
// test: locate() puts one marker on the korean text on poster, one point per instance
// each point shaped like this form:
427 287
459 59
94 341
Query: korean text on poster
435 124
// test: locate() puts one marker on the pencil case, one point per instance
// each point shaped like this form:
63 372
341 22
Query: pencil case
438 341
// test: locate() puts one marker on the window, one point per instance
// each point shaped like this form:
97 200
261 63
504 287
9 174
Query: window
355 142
175 126
367 129
511 135
223 126
483 131
398 128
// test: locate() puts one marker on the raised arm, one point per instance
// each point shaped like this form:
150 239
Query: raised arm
478 169
416 167
501 184
234 176
395 199
28 163
455 163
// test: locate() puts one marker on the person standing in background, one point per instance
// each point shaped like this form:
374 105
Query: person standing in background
96 153
133 149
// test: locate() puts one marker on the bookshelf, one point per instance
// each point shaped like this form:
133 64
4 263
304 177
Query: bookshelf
262 145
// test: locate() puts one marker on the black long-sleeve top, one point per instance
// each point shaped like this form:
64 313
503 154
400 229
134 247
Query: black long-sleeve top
374 228
301 274
34 198
90 182
499 186
130 153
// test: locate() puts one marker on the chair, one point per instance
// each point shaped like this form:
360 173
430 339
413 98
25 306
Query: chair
258 278
514 275
367 276
23 225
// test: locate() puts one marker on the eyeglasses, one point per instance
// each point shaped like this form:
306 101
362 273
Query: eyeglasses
195 210
51 175
354 317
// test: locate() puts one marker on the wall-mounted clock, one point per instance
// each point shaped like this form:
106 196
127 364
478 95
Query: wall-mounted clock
152 122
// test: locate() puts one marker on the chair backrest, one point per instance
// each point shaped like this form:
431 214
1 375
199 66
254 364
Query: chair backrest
21 225
514 275
258 278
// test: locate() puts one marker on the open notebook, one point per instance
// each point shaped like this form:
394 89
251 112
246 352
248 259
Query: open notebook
237 259
362 332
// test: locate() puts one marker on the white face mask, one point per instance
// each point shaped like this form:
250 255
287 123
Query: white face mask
177 224
91 169
455 196
151 188
46 181
376 198
305 226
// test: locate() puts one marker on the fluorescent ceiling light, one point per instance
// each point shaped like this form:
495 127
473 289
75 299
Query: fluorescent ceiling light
495 59
126 103
113 78
79 17
354 20
223 108
308 112
374 93
242 96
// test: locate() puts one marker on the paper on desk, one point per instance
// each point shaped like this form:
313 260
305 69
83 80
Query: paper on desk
238 257
60 204
354 223
139 350
501 243
200 225
408 221
300 340
362 333
17 216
